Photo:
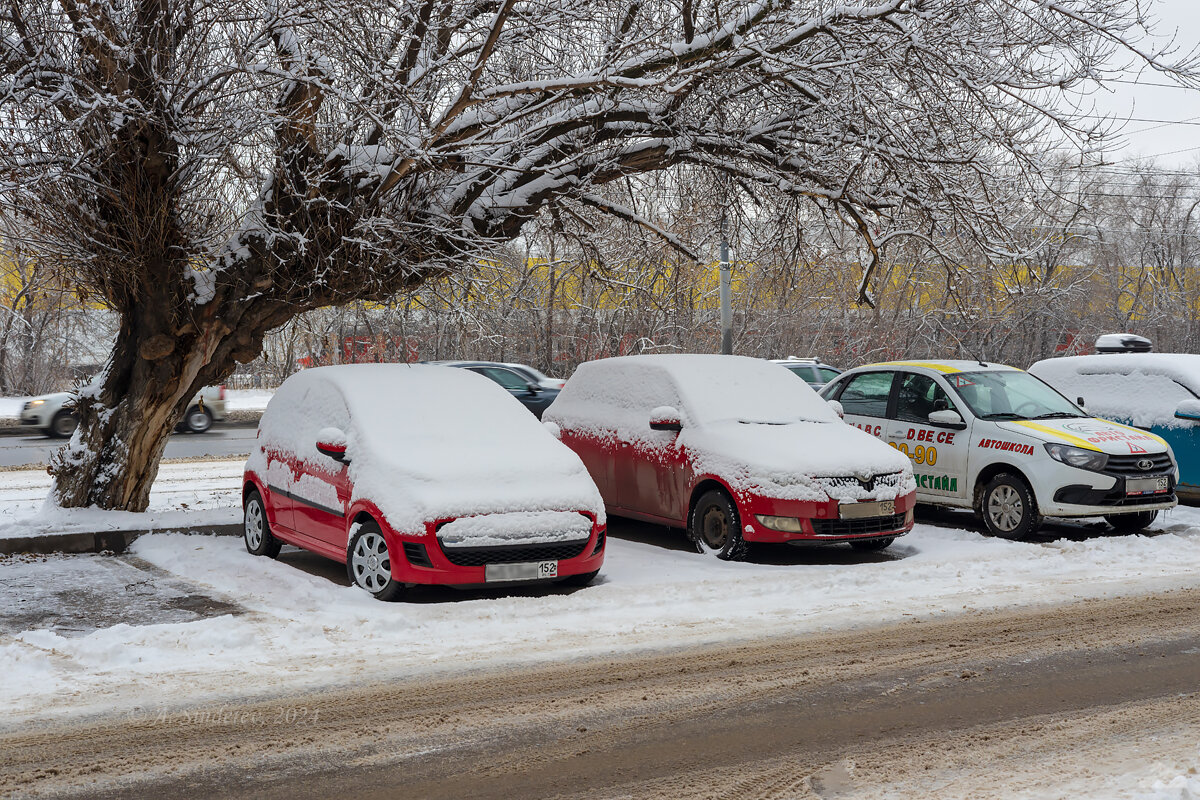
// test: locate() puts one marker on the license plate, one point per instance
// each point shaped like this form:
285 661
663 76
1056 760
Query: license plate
1139 486
532 571
882 508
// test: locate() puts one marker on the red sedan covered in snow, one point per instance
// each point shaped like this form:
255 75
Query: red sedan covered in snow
417 474
735 450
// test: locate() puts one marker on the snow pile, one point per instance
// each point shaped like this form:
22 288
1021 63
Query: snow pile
306 627
1143 389
425 443
187 495
521 527
746 420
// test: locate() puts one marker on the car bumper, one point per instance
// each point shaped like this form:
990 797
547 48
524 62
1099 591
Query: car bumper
821 522
423 560
1072 492
33 419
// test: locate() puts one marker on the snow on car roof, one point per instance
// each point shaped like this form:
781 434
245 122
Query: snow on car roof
429 441
1144 388
704 387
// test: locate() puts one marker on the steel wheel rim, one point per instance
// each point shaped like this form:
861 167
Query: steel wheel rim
1005 509
254 525
370 563
714 527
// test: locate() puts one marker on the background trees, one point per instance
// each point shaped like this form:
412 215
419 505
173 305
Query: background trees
210 169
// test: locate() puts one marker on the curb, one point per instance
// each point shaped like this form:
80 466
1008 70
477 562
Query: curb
9 426
99 541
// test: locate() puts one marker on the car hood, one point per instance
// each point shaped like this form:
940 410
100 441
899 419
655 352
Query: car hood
1089 433
789 461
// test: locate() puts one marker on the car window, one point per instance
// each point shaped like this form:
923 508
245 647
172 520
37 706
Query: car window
919 395
867 394
827 374
505 377
805 372
1012 394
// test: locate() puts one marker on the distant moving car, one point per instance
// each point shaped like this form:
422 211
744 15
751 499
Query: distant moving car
733 449
418 474
814 372
1159 392
1001 441
541 378
522 382
53 416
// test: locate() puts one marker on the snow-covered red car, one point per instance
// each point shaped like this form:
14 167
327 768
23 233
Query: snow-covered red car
733 449
417 474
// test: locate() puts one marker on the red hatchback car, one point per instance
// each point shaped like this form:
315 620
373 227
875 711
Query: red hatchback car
735 450
416 474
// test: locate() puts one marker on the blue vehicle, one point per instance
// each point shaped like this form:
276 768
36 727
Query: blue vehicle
1157 392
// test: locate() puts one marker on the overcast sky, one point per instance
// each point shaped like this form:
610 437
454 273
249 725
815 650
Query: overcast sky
1142 102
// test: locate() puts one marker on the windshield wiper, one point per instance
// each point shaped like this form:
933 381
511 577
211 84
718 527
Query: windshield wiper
1057 415
1003 415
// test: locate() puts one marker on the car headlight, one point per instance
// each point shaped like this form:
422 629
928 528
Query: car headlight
36 402
789 524
1077 456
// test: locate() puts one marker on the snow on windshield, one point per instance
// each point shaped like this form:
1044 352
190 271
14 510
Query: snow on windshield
1142 389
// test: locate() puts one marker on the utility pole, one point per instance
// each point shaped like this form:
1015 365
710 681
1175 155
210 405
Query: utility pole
726 296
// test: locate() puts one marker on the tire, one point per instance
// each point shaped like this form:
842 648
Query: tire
256 531
715 527
369 563
1131 523
872 545
1008 507
197 420
582 579
63 425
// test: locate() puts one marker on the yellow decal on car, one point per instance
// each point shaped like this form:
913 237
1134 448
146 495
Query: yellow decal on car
1075 440
925 364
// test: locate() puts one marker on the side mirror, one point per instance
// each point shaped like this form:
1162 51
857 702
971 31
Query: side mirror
947 419
1079 402
837 408
665 418
1188 410
533 388
332 442
552 428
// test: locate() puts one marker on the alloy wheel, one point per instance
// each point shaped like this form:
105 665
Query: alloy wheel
254 524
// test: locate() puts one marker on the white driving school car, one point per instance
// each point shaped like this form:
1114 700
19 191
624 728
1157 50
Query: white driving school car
999 440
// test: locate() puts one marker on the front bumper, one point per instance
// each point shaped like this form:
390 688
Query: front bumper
820 521
426 561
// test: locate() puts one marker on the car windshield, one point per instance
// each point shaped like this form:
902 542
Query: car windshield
1001 395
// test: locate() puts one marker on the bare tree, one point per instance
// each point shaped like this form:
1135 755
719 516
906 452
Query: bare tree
209 169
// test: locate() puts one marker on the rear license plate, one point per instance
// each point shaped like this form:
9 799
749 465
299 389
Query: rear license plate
531 571
882 508
1157 484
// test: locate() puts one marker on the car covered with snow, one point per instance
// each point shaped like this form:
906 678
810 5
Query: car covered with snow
1159 392
418 474
733 449
53 415
1001 441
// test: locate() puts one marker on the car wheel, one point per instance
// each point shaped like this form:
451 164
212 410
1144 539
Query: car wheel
1008 507
63 425
369 564
582 579
872 545
1129 523
715 527
256 531
197 419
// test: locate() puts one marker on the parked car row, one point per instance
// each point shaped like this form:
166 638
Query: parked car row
434 474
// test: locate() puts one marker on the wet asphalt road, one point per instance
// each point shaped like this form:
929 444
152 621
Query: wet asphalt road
224 439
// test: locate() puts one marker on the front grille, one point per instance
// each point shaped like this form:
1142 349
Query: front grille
857 527
1128 465
480 556
888 480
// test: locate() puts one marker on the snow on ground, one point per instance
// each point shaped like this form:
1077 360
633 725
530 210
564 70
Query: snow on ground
247 399
304 627
189 493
